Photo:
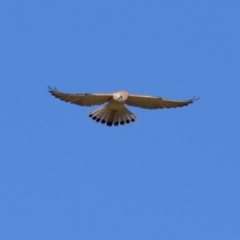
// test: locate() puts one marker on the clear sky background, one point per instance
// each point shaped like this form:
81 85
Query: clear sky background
174 174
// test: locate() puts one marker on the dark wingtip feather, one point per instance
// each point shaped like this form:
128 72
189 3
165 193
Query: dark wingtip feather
51 90
193 99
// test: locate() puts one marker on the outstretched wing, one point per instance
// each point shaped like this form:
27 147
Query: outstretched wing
86 99
150 102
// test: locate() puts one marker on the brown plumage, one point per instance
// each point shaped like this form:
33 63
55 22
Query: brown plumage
114 112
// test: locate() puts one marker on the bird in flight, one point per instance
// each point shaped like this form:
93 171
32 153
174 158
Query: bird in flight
114 112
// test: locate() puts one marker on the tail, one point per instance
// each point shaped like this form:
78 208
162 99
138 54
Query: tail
111 117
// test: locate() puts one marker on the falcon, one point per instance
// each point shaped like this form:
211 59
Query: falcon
114 112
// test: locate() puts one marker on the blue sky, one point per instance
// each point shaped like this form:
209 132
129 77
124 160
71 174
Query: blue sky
174 174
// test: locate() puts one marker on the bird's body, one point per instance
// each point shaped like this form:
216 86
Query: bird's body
115 112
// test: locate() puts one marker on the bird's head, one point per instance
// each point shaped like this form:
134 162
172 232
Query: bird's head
120 96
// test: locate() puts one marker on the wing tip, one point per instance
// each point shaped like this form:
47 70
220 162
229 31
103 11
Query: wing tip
52 90
193 99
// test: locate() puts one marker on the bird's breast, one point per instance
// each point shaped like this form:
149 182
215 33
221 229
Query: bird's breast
115 105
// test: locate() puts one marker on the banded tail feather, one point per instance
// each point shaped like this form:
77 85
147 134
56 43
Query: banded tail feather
111 117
